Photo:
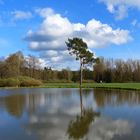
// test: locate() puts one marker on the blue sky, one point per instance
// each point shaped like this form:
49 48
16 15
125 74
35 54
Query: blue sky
41 27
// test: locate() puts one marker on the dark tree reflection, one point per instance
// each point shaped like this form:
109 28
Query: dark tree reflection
116 97
15 105
79 127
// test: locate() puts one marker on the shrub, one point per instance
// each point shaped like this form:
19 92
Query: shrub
21 81
10 82
31 82
27 82
2 82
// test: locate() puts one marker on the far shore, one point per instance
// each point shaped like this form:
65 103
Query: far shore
125 86
122 86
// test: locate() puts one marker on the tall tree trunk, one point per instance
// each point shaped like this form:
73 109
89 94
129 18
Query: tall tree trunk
81 101
81 72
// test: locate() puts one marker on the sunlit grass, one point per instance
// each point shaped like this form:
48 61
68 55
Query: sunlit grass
132 86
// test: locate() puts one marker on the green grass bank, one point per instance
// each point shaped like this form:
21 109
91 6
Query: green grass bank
125 86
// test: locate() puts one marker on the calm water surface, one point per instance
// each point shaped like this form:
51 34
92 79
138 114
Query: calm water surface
69 114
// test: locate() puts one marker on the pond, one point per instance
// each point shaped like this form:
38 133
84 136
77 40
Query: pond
69 114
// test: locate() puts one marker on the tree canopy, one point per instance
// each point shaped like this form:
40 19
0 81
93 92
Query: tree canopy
79 49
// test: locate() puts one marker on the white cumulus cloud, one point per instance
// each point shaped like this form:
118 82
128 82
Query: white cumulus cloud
107 128
55 30
120 7
19 15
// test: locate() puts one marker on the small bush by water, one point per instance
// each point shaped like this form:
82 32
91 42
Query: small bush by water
21 81
9 82
26 81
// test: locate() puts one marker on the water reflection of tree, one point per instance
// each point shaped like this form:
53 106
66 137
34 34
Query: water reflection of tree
116 97
79 127
15 105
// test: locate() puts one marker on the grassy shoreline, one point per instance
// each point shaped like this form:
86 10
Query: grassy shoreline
121 86
125 86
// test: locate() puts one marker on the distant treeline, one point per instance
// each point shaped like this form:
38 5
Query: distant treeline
106 70
110 70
